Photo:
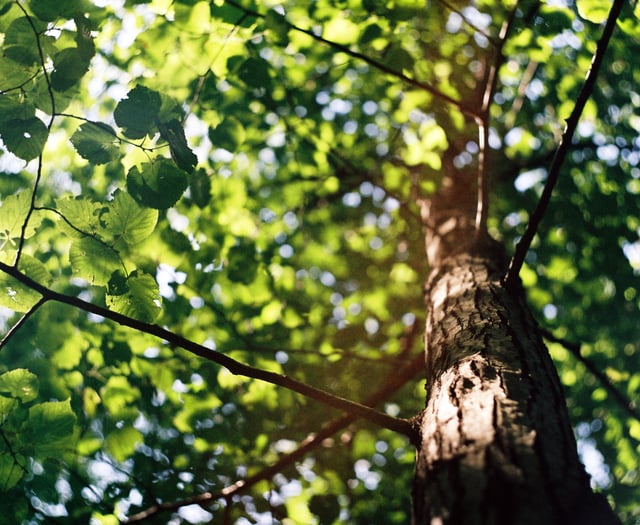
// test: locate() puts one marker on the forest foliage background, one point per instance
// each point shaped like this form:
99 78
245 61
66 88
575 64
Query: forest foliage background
242 179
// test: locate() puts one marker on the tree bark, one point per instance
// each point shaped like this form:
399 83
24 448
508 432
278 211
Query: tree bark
496 443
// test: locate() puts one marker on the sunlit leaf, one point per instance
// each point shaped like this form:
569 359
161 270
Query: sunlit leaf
122 442
14 210
93 260
18 296
49 426
136 296
595 11
125 219
19 383
96 142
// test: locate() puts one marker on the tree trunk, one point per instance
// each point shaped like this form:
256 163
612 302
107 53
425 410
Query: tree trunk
496 444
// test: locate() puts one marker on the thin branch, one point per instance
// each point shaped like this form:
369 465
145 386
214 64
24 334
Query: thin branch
565 143
52 99
311 442
575 349
469 111
483 122
12 331
400 425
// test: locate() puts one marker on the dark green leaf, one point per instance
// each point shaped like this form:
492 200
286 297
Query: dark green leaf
25 138
181 153
137 113
158 185
20 42
254 72
229 134
70 65
200 188
50 10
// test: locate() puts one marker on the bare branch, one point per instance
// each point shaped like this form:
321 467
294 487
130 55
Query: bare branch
574 348
565 143
402 426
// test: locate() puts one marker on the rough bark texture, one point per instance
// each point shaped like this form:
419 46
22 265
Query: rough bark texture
497 445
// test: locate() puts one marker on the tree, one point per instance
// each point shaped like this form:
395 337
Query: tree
214 224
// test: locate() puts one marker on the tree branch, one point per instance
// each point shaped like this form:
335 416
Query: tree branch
21 322
565 143
574 348
400 425
483 122
470 112
312 441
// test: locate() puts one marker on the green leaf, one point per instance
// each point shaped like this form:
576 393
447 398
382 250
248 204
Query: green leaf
13 213
200 188
278 26
137 113
49 427
126 220
70 65
82 213
122 442
19 383
181 153
158 185
96 142
7 405
25 138
137 296
93 260
595 11
20 42
17 296
10 471
254 72
50 10
15 108
243 264
229 134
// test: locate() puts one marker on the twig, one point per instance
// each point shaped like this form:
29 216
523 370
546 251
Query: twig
21 322
574 348
565 142
36 183
469 111
483 121
399 425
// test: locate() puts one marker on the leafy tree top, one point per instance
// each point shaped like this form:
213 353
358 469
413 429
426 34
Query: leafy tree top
242 180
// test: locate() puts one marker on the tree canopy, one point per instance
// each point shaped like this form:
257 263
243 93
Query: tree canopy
212 259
